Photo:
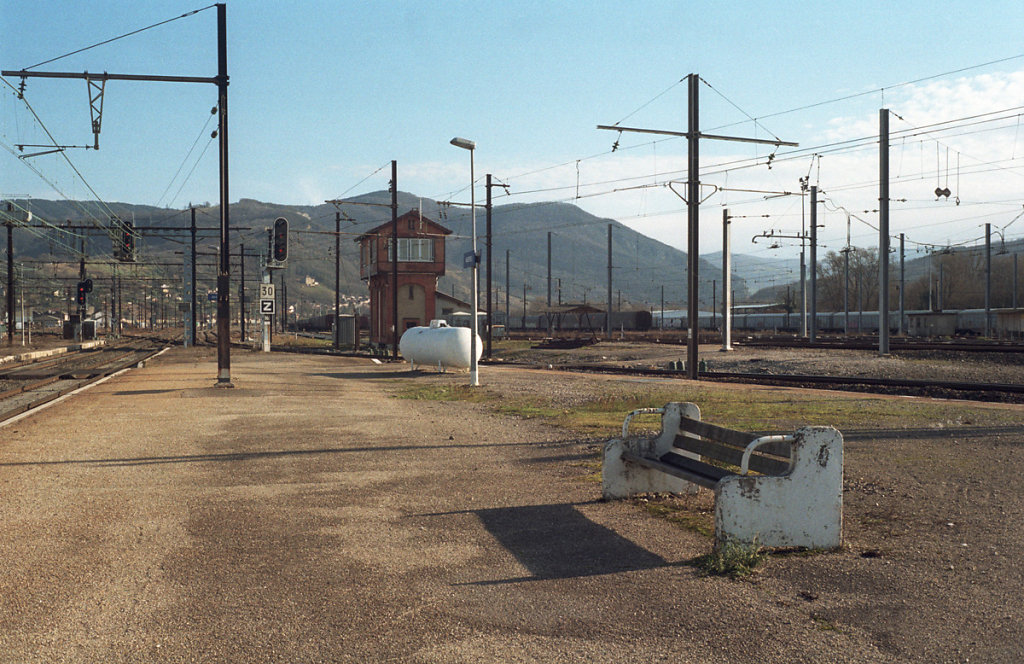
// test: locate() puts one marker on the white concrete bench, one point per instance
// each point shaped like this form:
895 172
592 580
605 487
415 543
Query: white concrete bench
783 491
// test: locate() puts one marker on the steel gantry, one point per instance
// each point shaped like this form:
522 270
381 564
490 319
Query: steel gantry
692 198
221 81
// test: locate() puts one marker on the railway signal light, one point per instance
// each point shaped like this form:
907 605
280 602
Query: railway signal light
280 250
81 292
128 242
124 242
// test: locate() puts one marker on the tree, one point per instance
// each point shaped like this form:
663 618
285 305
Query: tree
831 282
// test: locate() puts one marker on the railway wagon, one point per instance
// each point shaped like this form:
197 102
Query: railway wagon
324 323
639 320
968 321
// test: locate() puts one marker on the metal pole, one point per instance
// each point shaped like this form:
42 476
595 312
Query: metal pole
524 305
548 314
814 263
726 281
10 279
846 288
1015 281
508 321
80 328
241 292
490 306
284 299
692 221
337 278
224 270
192 230
988 279
394 259
900 329
883 231
474 371
803 285
608 317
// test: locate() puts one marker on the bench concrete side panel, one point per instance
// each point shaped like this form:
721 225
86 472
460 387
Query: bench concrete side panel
802 508
621 479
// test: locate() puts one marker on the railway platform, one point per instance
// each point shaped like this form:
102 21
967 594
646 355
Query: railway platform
308 514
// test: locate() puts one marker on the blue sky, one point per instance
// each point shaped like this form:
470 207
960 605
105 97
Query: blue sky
323 94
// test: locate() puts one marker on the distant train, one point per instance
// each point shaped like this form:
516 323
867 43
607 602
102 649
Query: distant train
325 323
621 320
963 322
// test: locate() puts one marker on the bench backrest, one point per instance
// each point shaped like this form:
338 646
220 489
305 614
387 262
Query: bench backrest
727 445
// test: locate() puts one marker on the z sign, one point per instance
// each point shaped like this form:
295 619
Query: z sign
267 307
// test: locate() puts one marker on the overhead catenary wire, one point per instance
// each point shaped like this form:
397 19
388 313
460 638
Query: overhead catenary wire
114 39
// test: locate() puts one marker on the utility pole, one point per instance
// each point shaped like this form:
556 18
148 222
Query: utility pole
10 275
692 198
814 263
692 223
192 231
284 299
489 248
662 326
988 279
883 231
80 328
224 269
524 305
900 329
608 317
241 292
337 278
394 260
547 316
508 321
846 287
726 281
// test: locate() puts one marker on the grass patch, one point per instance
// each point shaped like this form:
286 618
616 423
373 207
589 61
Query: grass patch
455 392
756 409
732 558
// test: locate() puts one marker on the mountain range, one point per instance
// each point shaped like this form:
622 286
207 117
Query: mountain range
643 270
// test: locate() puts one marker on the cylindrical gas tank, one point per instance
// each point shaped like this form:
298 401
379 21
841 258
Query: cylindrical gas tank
439 345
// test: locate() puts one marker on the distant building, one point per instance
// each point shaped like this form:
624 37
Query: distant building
421 243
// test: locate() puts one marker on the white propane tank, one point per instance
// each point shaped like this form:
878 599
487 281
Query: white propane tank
439 345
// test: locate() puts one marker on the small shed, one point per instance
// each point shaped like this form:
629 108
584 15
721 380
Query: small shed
1010 323
931 324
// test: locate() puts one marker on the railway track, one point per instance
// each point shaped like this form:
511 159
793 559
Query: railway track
994 392
31 384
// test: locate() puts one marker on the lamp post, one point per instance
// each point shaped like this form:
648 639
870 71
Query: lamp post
466 144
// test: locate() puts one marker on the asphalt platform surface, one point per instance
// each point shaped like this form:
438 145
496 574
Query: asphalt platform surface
306 515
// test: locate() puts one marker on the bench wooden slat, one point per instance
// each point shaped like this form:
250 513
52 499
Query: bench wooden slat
671 469
732 455
730 437
714 432
688 464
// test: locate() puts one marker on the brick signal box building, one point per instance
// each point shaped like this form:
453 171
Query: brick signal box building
420 263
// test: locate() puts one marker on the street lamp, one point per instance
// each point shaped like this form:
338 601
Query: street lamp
466 144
